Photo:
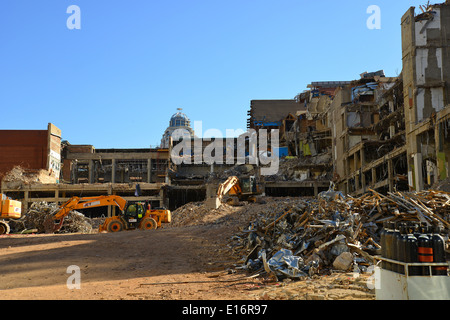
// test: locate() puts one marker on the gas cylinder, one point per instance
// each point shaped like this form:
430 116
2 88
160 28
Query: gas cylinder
389 244
438 244
396 237
411 252
425 250
401 247
383 244
383 240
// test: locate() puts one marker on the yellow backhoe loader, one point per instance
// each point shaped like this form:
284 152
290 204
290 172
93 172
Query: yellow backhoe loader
132 215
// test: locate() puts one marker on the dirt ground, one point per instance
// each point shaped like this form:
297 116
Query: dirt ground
178 263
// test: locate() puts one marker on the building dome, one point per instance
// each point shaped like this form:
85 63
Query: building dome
178 121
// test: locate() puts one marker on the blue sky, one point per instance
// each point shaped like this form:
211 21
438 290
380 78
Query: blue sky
116 82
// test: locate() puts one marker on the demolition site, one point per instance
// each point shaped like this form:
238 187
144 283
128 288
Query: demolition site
346 180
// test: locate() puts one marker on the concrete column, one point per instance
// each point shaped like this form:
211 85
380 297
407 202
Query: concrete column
161 198
110 192
418 171
391 175
91 171
74 168
363 181
212 201
362 158
26 196
113 171
211 190
374 176
149 170
357 185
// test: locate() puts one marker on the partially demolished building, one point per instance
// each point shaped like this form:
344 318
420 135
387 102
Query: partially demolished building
368 140
426 80
381 133
86 164
302 166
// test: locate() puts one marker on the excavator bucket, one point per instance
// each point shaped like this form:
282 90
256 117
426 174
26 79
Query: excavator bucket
51 226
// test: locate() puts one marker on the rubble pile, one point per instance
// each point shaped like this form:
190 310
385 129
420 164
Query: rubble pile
76 222
39 216
316 236
198 213
188 214
18 176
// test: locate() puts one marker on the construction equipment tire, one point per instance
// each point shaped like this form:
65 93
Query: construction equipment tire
115 226
4 227
149 224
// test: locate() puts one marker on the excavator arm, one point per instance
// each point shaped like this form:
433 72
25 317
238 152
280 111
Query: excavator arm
231 185
77 203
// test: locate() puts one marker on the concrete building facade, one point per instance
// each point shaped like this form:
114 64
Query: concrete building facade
426 80
33 150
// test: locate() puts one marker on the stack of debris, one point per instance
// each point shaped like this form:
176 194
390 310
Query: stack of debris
331 232
190 213
40 214
19 176
198 213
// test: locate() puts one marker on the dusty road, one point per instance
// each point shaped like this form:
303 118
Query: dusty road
125 265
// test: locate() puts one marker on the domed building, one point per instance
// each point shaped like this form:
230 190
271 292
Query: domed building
178 121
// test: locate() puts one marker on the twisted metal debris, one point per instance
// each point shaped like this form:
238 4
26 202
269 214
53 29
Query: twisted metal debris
332 232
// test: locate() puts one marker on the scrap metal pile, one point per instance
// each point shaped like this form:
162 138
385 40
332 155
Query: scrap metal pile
331 232
39 216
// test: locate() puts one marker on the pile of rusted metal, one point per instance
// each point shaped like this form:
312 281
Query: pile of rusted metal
332 231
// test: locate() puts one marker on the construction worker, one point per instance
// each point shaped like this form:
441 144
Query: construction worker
140 211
